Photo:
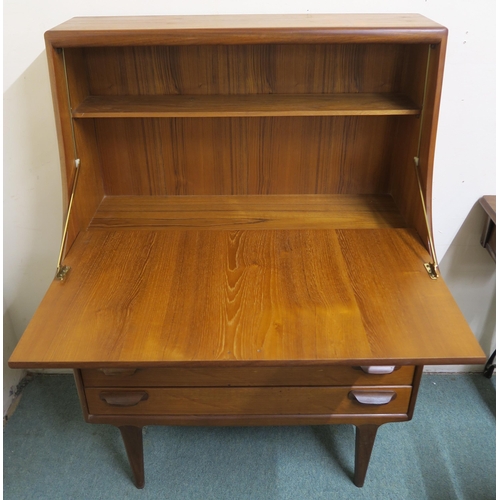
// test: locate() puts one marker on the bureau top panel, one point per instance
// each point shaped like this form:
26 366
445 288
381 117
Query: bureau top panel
241 29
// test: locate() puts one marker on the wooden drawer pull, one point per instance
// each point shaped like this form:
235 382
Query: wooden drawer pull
118 372
372 398
378 370
123 398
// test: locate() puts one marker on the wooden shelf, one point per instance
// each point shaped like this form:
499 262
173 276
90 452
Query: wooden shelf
248 212
164 106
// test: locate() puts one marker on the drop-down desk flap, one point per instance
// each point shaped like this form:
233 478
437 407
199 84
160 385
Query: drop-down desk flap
246 297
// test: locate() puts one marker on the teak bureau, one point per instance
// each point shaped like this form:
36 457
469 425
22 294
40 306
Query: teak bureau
248 237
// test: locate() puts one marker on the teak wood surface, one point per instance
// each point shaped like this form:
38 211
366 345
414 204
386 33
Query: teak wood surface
251 72
137 298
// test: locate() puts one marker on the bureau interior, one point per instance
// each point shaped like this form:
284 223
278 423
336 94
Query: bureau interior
245 156
246 69
238 120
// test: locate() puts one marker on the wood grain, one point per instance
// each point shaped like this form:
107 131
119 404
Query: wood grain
89 190
404 186
364 104
248 420
76 76
276 297
418 139
319 28
136 24
365 438
132 439
247 212
397 301
245 69
243 376
248 401
268 155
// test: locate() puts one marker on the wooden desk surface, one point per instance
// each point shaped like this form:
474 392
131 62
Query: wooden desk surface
152 298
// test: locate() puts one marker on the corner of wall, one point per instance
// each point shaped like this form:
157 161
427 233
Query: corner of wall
11 378
470 274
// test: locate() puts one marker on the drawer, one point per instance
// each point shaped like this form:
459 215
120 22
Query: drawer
244 377
248 400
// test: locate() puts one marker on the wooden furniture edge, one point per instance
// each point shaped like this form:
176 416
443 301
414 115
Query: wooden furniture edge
417 377
253 364
245 420
238 29
81 393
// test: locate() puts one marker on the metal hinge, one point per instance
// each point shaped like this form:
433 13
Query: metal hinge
432 270
62 271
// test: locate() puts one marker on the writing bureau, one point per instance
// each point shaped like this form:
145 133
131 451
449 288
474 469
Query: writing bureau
248 236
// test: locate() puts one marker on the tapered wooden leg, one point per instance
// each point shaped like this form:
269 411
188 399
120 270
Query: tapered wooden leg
365 437
132 438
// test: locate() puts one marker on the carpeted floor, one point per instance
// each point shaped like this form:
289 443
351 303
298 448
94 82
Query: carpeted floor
446 452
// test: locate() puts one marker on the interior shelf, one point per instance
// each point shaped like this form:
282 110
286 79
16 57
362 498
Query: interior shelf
161 106
248 212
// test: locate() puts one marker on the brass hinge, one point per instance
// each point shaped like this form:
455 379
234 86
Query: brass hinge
62 271
432 270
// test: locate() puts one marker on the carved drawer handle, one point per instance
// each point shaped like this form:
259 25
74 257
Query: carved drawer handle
372 398
118 372
378 370
123 398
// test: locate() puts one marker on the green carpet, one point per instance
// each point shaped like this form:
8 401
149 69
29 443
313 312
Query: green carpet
446 452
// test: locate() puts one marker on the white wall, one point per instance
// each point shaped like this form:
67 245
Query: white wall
465 155
10 377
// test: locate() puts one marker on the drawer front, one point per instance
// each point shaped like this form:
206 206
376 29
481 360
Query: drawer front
244 377
248 401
